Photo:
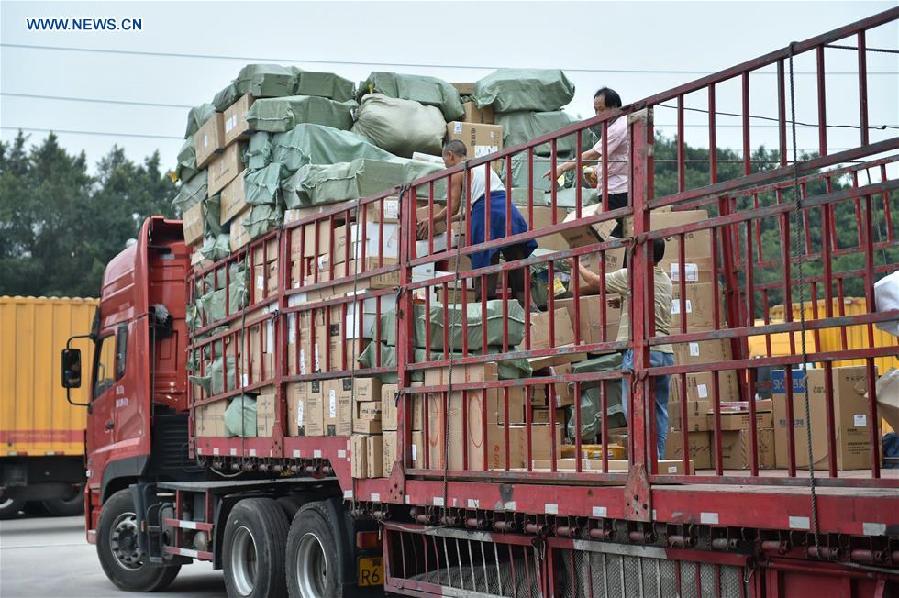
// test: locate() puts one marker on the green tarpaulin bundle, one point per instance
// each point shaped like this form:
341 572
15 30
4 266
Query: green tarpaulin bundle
521 127
187 161
211 211
320 184
190 193
213 307
402 127
196 117
261 187
513 90
259 151
263 218
496 321
240 416
508 370
429 91
590 398
326 85
216 247
213 380
260 81
316 144
277 115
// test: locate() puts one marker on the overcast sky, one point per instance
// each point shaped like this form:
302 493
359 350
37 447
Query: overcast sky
636 48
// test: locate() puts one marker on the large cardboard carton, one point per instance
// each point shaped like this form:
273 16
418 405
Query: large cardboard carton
298 394
697 415
338 409
736 448
851 419
591 328
209 419
388 406
375 456
698 444
699 307
588 234
696 269
360 389
563 331
359 456
389 451
237 235
614 260
712 351
700 386
376 239
543 217
233 199
740 421
479 139
192 222
224 168
235 119
265 412
473 114
315 409
696 243
209 139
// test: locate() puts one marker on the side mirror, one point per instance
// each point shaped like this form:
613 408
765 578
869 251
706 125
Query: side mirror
71 368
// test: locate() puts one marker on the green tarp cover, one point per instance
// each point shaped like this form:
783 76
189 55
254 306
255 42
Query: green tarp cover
211 211
277 115
266 80
512 90
521 127
261 186
240 416
212 305
590 398
216 247
326 85
263 218
429 91
317 144
401 127
190 193
520 172
213 381
319 184
507 370
475 322
227 96
196 117
187 161
259 151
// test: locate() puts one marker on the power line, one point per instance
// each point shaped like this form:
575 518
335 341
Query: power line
93 100
771 118
389 64
97 133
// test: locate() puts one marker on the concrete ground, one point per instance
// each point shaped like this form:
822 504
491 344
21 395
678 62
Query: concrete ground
49 557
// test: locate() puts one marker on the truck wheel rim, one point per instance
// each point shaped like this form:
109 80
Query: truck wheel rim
244 564
312 567
123 541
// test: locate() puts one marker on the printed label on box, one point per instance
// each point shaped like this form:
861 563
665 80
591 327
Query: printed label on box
694 349
702 391
860 420
457 128
484 150
300 413
675 307
332 403
691 272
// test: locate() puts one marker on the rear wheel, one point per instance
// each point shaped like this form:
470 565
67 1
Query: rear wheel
64 506
253 556
118 549
315 557
10 507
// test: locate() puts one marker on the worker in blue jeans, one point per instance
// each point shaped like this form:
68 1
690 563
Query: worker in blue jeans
661 355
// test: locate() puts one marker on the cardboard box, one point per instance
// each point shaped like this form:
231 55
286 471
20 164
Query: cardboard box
473 114
375 456
711 351
224 168
588 234
369 236
320 230
699 446
338 409
591 327
417 449
614 260
368 410
298 414
209 139
233 199
851 419
313 347
699 302
315 411
562 329
479 139
359 456
367 426
237 235
695 269
193 223
700 387
209 419
388 448
740 421
265 412
388 406
235 119
697 415
388 280
736 449
696 243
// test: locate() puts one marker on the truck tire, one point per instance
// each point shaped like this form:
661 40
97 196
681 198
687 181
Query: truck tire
316 557
118 552
66 506
10 507
253 549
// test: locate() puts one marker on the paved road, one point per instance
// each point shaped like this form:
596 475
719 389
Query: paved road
48 557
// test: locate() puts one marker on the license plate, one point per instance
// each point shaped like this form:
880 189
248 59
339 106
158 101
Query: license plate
371 571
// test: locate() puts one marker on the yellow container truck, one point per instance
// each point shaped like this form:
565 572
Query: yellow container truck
41 433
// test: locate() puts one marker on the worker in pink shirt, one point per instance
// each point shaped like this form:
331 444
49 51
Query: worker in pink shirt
617 146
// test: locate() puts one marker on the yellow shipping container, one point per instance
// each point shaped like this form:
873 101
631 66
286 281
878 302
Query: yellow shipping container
35 418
